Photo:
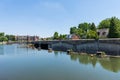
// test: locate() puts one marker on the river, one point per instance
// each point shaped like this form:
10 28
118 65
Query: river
18 63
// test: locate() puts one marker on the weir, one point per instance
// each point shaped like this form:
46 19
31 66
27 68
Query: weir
109 46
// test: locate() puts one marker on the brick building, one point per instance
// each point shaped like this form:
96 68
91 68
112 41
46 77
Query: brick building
73 37
27 38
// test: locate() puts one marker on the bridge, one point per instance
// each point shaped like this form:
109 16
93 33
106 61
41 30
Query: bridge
109 46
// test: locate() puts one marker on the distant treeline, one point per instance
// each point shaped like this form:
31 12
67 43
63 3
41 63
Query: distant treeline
4 37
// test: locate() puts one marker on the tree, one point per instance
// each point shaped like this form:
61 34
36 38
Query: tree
104 23
84 26
92 34
3 38
93 27
56 35
114 30
83 29
11 37
62 37
80 32
2 34
73 30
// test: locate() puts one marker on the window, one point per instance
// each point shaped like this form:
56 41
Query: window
104 33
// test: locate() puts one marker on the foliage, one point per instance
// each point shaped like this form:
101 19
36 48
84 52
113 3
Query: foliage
3 38
83 30
114 30
92 34
62 37
2 34
11 37
93 27
56 35
59 37
80 32
104 23
89 30
73 30
84 26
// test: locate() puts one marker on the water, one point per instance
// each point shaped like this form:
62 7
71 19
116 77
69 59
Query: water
30 64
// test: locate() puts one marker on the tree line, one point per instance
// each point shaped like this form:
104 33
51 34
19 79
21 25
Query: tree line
57 36
89 30
4 37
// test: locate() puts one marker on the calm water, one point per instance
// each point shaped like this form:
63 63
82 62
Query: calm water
30 64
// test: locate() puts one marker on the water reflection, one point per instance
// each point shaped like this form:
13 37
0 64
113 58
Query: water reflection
111 64
1 50
56 53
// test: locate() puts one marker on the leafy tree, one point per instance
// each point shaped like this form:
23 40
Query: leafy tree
62 37
92 34
84 26
93 27
83 29
56 35
104 23
73 30
2 34
3 38
80 32
11 37
114 31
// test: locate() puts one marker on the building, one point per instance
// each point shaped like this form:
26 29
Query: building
26 38
73 37
103 33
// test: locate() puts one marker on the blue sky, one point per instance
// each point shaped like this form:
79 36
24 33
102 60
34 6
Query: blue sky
44 17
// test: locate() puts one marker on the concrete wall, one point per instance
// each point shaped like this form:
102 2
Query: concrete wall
110 46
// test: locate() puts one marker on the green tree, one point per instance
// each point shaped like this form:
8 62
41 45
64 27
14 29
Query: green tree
62 37
2 34
84 26
56 35
80 32
73 30
104 23
11 37
93 27
114 30
3 38
83 29
92 34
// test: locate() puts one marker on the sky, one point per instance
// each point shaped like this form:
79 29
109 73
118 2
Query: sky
44 17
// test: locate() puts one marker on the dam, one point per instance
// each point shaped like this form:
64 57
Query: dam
109 46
